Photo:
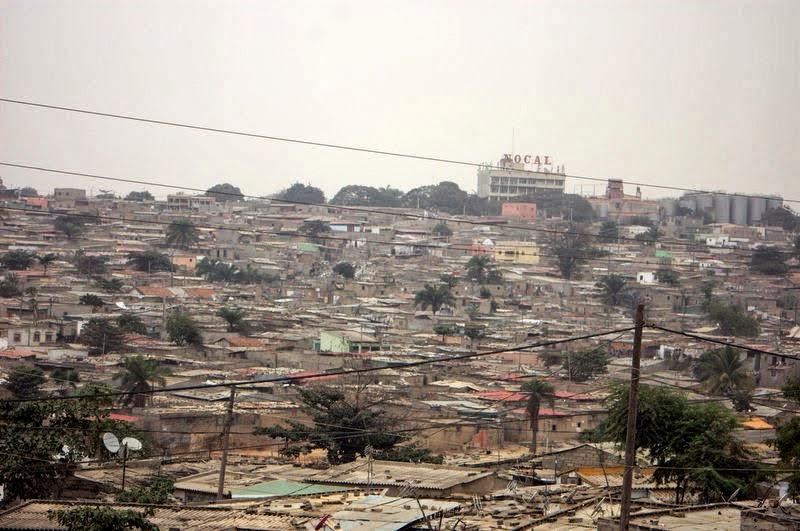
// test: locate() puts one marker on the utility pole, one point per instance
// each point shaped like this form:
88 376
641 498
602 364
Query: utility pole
226 435
630 432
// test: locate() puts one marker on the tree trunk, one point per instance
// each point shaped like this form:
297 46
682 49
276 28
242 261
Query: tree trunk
534 414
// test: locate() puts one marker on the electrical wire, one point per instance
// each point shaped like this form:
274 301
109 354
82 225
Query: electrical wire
347 147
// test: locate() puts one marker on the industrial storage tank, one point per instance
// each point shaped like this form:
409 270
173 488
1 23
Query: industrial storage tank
739 210
668 205
705 202
689 202
758 205
722 208
774 201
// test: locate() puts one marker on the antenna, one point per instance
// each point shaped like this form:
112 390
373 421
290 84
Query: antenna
112 444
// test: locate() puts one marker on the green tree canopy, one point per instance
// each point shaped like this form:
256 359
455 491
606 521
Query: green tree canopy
9 286
17 260
301 193
71 226
217 271
225 192
130 323
345 269
733 320
442 230
89 264
691 444
103 518
571 251
668 276
481 269
157 492
584 364
537 391
144 195
150 261
612 289
781 217
434 296
90 299
182 233
344 426
138 377
787 443
24 381
314 228
109 285
102 336
27 191
723 372
356 195
183 330
768 261
46 259
234 317
609 231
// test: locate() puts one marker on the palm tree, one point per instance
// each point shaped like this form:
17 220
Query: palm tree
434 296
182 233
480 269
722 371
33 303
138 377
46 259
613 289
538 391
234 317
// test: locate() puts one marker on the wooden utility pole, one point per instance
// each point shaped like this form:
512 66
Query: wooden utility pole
226 435
630 432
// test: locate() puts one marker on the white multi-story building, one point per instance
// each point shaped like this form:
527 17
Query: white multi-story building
194 203
519 175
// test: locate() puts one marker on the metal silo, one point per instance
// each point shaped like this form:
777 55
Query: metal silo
705 202
739 210
689 202
758 205
774 201
669 205
722 208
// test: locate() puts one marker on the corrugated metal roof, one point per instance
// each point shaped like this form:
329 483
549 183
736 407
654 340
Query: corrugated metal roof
282 487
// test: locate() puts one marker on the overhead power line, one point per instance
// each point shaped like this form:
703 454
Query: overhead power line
292 379
314 143
693 246
723 343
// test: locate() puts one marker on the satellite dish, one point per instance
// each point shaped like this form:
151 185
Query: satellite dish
111 442
121 305
132 444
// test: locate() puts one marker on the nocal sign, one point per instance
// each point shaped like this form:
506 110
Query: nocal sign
527 159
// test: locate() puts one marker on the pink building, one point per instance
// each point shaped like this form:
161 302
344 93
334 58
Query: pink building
519 210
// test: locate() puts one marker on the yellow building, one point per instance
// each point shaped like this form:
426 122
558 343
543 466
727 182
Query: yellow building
516 252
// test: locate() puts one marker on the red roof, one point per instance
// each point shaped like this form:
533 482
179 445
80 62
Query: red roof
199 293
239 341
122 417
502 396
17 353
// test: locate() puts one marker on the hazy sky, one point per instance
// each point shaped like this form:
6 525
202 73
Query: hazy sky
686 93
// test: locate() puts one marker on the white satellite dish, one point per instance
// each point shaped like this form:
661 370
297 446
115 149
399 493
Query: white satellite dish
121 305
111 442
132 444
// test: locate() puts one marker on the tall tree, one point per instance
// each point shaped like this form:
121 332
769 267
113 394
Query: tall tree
781 217
571 251
345 269
356 195
434 296
692 445
668 276
538 391
182 233
144 195
234 317
71 226
344 426
9 286
130 323
609 231
481 269
90 299
301 193
314 228
733 320
24 382
612 289
28 192
17 260
768 261
225 192
46 259
442 230
150 261
102 336
138 378
787 442
90 265
182 329
584 364
723 372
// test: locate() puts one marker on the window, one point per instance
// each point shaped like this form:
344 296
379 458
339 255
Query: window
48 337
579 424
17 337
553 427
37 337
